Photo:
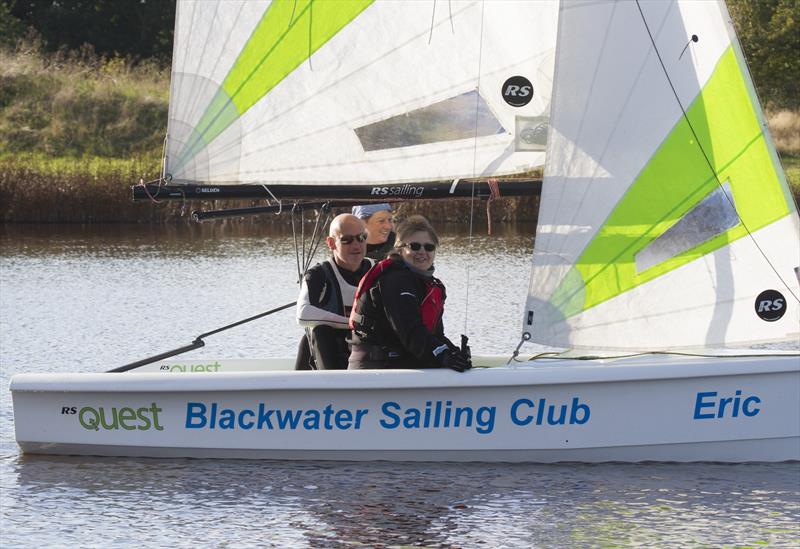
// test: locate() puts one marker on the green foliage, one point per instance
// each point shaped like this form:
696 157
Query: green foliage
141 29
11 28
115 28
81 106
769 31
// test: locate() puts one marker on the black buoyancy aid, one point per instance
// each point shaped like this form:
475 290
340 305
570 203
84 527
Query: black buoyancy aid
331 296
430 309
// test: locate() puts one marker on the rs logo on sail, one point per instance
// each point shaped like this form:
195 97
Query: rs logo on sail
517 91
770 305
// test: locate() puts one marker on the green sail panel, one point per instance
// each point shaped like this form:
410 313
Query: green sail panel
288 34
672 183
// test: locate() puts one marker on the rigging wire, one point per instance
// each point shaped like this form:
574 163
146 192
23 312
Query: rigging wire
304 262
280 204
164 159
474 165
433 18
317 235
302 241
705 155
294 237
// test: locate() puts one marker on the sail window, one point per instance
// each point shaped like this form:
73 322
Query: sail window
714 215
458 117
531 133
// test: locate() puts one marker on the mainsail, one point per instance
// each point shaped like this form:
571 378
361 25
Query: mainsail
665 218
357 91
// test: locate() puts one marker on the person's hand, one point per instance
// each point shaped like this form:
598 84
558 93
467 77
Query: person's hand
453 359
465 347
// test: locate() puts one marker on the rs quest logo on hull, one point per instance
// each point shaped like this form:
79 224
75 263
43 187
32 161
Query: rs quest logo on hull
126 418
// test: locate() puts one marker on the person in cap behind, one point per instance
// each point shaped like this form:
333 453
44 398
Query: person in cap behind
397 313
380 225
326 297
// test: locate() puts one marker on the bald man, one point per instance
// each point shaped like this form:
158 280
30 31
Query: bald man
326 296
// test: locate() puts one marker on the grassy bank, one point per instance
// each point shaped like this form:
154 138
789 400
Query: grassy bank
76 130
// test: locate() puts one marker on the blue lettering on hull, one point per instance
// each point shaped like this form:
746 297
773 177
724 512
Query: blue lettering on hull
433 414
710 405
525 411
200 416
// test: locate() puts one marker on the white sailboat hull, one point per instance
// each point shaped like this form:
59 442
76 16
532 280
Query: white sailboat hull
652 408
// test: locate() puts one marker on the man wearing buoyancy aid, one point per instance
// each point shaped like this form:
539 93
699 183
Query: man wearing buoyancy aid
327 294
397 314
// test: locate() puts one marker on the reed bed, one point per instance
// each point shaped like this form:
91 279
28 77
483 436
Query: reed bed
97 192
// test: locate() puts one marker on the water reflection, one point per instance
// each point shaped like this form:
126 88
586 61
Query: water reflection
167 502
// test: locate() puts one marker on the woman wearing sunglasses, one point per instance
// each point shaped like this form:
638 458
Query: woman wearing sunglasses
397 312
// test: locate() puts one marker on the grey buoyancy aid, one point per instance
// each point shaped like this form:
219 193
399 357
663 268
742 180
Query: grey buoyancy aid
335 300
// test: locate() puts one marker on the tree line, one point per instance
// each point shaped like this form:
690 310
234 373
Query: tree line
136 29
769 31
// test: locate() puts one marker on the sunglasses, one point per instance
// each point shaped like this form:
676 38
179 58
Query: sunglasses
349 238
416 246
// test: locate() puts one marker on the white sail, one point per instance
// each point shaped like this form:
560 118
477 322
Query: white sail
356 91
665 219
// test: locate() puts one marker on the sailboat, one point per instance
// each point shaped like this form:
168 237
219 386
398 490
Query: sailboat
665 261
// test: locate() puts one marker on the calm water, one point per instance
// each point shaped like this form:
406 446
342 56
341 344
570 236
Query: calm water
88 300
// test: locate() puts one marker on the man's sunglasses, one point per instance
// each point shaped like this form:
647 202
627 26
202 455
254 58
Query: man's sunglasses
349 238
416 246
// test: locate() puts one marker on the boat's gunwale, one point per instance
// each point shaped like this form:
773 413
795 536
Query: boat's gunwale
553 372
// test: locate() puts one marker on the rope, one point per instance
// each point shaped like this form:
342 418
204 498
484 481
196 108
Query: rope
147 191
183 203
556 355
494 193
